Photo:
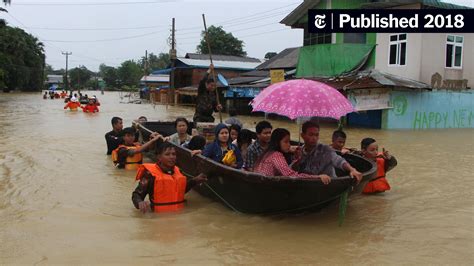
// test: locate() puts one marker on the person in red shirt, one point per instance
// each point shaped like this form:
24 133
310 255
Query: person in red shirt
275 160
91 107
73 104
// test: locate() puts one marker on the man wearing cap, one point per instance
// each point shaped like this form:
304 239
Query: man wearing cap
73 104
206 102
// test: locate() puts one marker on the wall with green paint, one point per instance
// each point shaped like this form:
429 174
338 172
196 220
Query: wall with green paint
429 110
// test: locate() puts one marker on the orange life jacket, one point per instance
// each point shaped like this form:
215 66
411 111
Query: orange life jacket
379 183
90 109
169 190
132 162
72 105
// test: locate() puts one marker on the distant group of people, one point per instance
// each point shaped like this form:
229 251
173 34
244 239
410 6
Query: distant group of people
73 103
54 95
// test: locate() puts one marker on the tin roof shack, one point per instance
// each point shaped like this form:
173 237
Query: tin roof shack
151 85
190 70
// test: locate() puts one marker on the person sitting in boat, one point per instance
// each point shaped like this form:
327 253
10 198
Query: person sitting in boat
206 102
244 140
233 120
317 158
276 159
222 150
264 133
385 162
115 137
181 136
339 141
196 144
90 107
129 154
234 133
141 120
163 182
72 105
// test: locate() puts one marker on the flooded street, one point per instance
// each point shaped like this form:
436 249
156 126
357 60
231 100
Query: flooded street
62 201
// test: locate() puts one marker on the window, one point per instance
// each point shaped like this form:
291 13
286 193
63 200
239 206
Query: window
317 38
355 37
397 55
454 45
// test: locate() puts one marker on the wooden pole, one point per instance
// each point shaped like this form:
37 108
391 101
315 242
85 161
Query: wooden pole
213 72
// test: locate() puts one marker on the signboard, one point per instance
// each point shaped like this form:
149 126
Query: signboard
277 75
370 99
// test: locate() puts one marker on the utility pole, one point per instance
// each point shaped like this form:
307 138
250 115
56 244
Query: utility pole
145 70
67 54
173 63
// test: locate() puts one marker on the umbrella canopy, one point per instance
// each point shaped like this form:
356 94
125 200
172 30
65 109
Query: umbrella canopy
302 98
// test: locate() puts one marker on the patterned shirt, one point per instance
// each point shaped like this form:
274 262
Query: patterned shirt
275 164
321 160
253 152
175 139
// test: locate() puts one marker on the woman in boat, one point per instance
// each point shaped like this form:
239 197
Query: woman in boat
385 162
244 140
222 150
163 183
276 159
181 136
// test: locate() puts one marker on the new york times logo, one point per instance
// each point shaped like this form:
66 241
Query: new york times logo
392 20
320 21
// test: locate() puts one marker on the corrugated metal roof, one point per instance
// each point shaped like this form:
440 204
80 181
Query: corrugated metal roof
219 64
156 78
218 57
287 58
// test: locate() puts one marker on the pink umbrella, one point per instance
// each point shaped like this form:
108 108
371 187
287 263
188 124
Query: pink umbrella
302 98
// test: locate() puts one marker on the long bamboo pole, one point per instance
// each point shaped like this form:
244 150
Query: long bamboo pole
212 70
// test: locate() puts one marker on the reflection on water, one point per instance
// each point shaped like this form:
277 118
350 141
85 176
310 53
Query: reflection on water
61 201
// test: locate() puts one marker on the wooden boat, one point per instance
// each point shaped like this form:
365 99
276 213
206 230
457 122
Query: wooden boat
249 192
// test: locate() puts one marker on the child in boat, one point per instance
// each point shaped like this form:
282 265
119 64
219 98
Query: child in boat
264 133
90 107
339 141
72 104
385 162
234 133
222 150
276 159
181 136
196 144
129 154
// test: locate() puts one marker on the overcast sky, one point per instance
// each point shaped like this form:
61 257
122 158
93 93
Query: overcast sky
112 31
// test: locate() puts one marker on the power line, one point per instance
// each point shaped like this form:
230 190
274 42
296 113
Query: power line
96 29
107 40
91 3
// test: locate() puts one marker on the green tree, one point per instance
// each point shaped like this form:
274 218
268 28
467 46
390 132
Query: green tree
221 43
79 76
21 59
155 62
129 73
109 75
269 55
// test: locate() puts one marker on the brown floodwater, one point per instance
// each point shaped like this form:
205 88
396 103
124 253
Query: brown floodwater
62 201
